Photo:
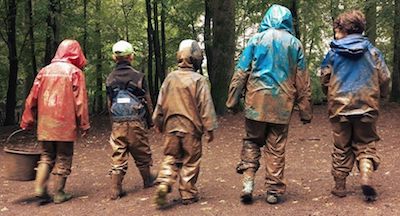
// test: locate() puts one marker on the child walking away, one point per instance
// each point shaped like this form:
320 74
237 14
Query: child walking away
58 102
184 112
130 109
272 70
354 76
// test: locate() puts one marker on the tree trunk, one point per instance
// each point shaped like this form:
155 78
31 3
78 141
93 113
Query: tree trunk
85 27
208 37
53 31
395 95
32 69
223 51
13 63
157 49
370 15
99 75
150 44
163 47
296 22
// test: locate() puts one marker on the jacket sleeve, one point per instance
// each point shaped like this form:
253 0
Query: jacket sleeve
149 103
383 74
205 106
80 100
239 79
158 115
325 73
303 88
30 112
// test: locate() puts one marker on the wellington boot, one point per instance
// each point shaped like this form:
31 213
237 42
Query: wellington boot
161 195
148 176
340 187
60 196
366 170
116 187
246 197
42 177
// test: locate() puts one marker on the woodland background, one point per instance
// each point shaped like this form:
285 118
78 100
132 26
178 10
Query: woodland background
30 31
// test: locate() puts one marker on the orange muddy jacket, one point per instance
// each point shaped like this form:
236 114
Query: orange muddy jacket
58 98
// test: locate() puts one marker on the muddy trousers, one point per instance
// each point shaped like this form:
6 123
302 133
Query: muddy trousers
129 138
182 158
273 138
58 155
354 139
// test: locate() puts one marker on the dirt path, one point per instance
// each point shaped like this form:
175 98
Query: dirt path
307 173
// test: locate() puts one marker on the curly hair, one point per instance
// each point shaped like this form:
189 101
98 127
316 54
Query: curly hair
352 22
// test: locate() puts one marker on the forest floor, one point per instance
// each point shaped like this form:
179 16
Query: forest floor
307 173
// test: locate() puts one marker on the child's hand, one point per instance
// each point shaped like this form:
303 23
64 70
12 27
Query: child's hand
84 133
210 136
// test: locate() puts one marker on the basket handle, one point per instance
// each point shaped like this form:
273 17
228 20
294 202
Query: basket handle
13 133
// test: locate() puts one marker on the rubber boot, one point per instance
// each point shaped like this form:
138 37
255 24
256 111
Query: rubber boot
340 187
366 169
116 187
149 177
60 196
161 195
42 177
246 196
272 198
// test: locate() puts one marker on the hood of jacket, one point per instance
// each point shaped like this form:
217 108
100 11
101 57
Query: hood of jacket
277 17
354 45
189 55
70 51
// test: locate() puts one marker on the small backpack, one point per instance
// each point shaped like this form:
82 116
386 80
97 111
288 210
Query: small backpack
127 103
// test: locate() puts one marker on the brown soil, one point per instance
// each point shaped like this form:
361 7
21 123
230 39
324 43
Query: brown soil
307 173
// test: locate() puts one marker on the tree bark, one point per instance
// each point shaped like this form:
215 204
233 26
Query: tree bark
150 48
223 51
395 95
32 68
85 27
13 62
157 50
370 15
296 22
53 31
163 47
99 75
208 37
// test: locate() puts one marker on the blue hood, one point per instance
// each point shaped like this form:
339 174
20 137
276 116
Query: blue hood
354 45
277 17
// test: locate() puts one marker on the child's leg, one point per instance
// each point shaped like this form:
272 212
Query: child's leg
65 151
140 150
342 156
192 150
250 157
119 158
274 153
169 170
46 164
365 137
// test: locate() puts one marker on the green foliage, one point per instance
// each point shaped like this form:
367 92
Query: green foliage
126 19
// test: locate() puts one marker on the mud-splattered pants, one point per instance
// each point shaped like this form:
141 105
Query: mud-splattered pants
58 155
182 158
354 139
129 137
273 138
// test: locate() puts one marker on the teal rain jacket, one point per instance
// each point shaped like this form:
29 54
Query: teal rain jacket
272 71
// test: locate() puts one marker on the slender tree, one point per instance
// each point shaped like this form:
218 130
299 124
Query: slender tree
370 14
157 49
99 60
85 26
395 96
163 46
53 30
33 67
150 47
208 37
223 51
296 24
13 62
